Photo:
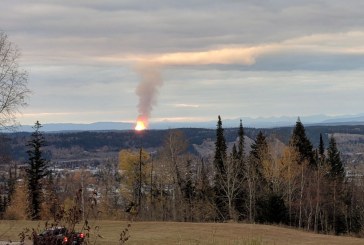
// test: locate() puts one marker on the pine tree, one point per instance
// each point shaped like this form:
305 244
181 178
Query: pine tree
204 186
319 155
300 141
260 145
255 181
220 173
204 195
189 192
334 160
336 177
36 171
321 147
234 153
319 175
220 148
241 143
240 200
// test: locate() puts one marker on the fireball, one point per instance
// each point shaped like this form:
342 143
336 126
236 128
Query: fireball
140 125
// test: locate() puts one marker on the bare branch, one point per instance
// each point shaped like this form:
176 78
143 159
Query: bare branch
13 83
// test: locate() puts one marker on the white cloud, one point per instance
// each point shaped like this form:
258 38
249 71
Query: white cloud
186 106
250 58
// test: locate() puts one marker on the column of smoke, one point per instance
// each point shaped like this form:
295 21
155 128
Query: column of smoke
147 90
151 80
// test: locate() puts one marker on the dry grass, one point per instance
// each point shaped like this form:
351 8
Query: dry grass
192 233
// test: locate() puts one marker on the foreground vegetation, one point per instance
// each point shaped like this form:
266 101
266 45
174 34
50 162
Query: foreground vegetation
190 233
264 181
260 182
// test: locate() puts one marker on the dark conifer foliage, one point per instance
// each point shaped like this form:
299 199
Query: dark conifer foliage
272 209
260 146
36 171
254 175
220 173
220 147
300 141
241 142
334 160
319 155
205 189
272 183
321 147
241 198
258 152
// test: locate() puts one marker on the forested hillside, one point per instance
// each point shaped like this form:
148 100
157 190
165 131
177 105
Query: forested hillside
86 142
296 176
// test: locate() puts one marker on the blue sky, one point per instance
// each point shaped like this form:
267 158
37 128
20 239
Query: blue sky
233 58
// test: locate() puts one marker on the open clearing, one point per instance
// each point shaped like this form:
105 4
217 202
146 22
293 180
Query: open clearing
190 233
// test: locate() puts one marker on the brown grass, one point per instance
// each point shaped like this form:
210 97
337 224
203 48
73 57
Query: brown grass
192 233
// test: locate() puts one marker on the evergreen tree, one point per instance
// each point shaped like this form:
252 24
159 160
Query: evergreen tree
188 188
334 160
220 173
319 153
2 205
220 148
336 178
256 182
36 171
240 200
204 195
260 145
321 147
205 190
300 141
234 153
241 143
272 209
189 192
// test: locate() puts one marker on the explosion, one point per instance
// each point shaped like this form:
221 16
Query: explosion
140 125
147 91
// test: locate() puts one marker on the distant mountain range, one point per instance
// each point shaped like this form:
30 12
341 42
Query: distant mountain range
260 122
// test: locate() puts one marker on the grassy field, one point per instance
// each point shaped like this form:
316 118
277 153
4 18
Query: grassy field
191 233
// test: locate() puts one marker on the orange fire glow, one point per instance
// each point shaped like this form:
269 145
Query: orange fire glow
140 125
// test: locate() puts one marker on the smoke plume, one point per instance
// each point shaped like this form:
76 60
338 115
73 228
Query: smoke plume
147 89
151 79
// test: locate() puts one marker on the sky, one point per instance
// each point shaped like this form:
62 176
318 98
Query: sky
88 60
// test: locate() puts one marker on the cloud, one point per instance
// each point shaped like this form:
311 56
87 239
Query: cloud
312 46
170 26
186 106
169 29
82 54
147 90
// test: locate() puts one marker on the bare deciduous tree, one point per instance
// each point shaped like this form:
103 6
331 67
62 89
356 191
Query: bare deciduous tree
231 184
13 83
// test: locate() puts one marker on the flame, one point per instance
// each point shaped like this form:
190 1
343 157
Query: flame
140 125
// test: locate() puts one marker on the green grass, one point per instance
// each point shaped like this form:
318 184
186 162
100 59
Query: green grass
191 233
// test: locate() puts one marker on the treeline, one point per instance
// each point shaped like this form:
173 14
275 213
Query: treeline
113 141
295 184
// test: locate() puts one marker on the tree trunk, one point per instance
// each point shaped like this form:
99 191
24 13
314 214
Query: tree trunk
317 199
301 197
